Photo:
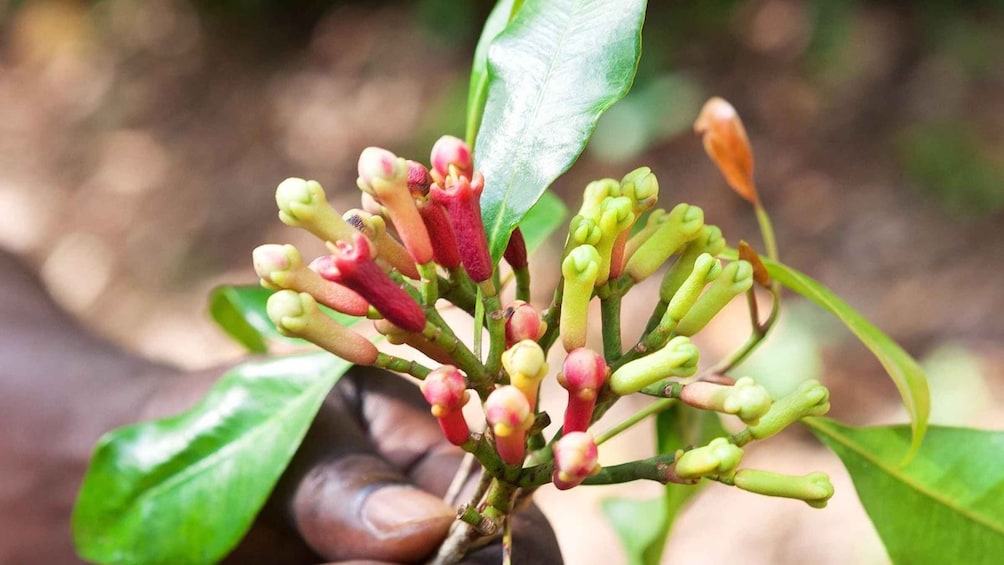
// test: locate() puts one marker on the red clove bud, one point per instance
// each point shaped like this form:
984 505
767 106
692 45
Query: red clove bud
583 373
508 413
575 456
461 198
445 389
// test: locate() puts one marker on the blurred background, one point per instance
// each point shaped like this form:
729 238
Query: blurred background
140 144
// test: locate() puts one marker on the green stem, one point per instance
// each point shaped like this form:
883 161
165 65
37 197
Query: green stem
551 317
399 365
439 333
658 468
610 314
756 338
496 330
522 284
651 409
766 231
430 280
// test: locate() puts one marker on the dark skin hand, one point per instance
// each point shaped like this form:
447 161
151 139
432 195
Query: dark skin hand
364 487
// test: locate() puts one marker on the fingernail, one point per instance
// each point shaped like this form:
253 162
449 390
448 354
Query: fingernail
394 511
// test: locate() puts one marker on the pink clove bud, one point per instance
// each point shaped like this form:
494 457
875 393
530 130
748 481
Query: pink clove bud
508 413
583 374
352 265
384 176
446 390
437 222
522 321
449 151
461 198
575 456
281 267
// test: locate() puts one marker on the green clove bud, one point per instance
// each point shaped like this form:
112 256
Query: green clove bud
815 488
683 224
810 399
678 358
718 458
735 279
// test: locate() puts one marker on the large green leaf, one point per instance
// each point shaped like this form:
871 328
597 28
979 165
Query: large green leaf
552 72
644 525
904 370
184 490
478 89
240 312
546 216
946 506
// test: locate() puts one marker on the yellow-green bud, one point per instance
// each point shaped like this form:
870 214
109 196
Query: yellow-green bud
641 186
526 365
582 231
709 241
678 358
735 279
616 215
815 488
652 223
745 399
579 269
683 224
706 269
302 204
718 458
595 193
810 399
297 315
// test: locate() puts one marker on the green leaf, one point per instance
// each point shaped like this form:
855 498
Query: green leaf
478 90
904 370
184 490
644 525
553 71
546 216
240 311
946 506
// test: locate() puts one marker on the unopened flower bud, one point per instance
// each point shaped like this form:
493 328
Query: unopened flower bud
579 269
445 389
575 458
582 231
616 216
449 151
683 224
678 358
745 399
594 195
302 204
706 269
295 314
718 458
352 265
461 198
508 413
583 374
655 219
281 267
515 250
385 247
726 143
810 399
522 321
735 279
384 175
526 366
815 488
418 179
641 186
709 241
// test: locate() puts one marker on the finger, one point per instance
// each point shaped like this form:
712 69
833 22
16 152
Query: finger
347 500
397 419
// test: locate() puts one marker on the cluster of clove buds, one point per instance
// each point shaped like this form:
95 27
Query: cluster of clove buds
418 239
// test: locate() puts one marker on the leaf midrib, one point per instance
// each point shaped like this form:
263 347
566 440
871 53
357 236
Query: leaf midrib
849 443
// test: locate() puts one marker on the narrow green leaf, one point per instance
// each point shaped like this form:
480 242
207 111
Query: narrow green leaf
478 90
644 525
946 506
904 370
240 312
184 490
546 216
553 71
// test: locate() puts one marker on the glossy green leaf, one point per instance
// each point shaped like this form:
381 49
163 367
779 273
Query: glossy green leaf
240 311
546 216
644 525
904 370
552 72
184 490
945 506
478 89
